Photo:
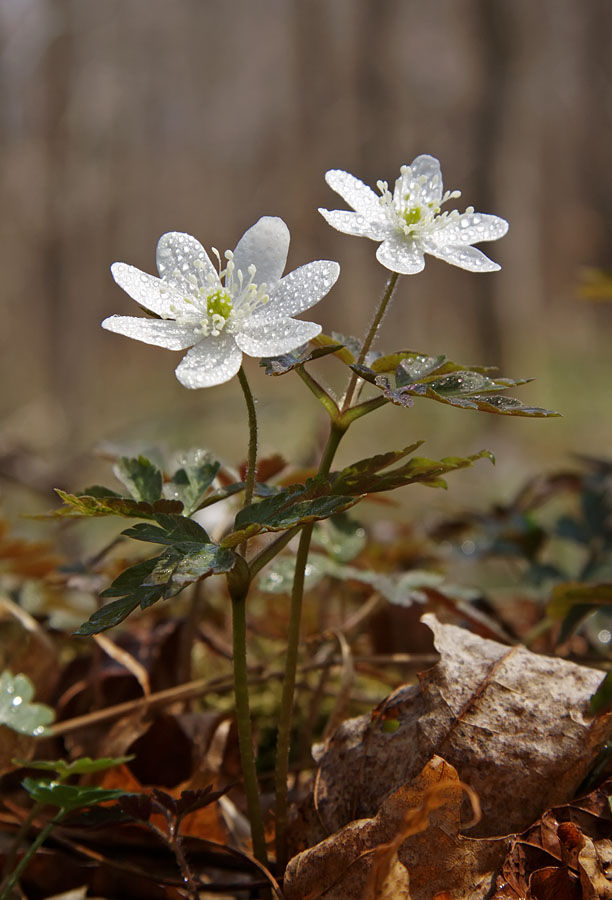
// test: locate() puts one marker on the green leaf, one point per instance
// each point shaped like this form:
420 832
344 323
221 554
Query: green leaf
351 476
436 378
16 710
83 766
110 615
141 477
192 480
601 701
280 365
297 504
69 797
171 530
78 506
364 478
178 567
159 578
417 366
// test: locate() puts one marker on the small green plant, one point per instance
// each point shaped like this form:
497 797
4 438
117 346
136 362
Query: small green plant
244 305
52 790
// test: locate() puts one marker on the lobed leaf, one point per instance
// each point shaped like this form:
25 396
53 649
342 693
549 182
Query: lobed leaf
68 797
364 478
141 477
191 481
78 506
83 766
16 709
436 378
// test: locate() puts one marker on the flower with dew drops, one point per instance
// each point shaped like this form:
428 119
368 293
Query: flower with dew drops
409 222
223 312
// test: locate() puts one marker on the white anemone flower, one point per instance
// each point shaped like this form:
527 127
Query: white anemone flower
221 313
409 221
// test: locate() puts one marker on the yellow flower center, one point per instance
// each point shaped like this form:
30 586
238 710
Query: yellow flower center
412 216
219 303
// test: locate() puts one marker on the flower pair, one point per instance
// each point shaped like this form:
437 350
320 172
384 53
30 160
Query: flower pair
245 305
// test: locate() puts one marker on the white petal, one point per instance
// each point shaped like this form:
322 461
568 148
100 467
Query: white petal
422 181
265 245
357 194
401 255
212 361
147 290
355 223
159 332
302 288
465 257
471 228
180 256
271 338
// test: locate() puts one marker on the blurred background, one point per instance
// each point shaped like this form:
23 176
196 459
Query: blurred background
123 119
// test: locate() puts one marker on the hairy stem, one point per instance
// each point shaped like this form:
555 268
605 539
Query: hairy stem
293 638
243 719
369 339
42 836
252 454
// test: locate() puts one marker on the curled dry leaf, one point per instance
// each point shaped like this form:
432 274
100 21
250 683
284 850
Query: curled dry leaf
513 723
411 850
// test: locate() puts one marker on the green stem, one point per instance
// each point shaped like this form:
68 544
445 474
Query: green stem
286 709
40 839
319 391
369 340
243 719
252 455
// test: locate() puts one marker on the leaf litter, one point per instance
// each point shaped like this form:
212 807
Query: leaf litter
390 809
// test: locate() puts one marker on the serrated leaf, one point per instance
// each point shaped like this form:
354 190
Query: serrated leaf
68 797
110 615
191 481
417 365
278 576
179 567
346 480
141 477
84 506
280 365
437 378
490 403
170 530
295 505
361 479
16 709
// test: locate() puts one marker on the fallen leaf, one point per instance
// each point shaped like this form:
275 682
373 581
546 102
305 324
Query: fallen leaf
411 850
513 723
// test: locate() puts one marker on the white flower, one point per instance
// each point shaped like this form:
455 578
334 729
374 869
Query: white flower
409 222
247 307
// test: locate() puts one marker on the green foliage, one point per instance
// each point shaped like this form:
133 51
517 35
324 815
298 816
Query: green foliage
365 477
297 504
150 493
141 477
68 797
16 709
83 766
436 378
190 556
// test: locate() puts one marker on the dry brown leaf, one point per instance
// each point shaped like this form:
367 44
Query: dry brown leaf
513 723
411 850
